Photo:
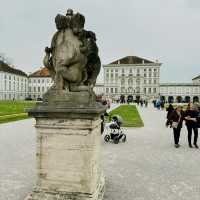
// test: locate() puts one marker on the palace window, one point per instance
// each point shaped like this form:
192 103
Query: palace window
138 81
107 90
149 74
123 81
145 90
130 81
154 90
130 89
149 90
123 89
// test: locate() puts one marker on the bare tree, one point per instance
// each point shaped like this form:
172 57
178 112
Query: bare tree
6 59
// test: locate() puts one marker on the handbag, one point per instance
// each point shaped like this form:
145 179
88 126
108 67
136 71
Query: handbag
174 124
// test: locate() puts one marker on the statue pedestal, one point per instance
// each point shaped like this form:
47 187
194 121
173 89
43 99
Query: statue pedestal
68 148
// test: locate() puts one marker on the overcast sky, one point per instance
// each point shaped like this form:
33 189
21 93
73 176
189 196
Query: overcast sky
167 30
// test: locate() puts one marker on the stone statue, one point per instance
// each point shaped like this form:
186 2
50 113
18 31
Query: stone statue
69 116
72 59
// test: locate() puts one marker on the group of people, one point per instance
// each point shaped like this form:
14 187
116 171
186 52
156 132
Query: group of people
159 104
191 116
142 102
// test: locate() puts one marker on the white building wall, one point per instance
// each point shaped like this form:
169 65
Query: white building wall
180 90
136 80
1 85
38 86
13 86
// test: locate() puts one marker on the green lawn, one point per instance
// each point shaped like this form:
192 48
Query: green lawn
14 110
129 114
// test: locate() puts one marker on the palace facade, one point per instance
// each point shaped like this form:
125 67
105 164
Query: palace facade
38 83
132 76
129 76
179 92
13 83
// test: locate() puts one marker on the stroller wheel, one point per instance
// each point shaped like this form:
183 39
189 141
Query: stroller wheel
107 138
116 140
124 138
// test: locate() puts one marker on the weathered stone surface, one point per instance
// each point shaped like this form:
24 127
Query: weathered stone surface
68 120
73 55
77 98
68 148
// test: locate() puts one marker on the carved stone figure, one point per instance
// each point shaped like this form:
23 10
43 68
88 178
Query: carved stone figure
73 58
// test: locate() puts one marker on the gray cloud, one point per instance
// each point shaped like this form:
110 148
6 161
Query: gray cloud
156 29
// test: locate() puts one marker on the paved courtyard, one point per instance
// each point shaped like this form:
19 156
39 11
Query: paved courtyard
147 167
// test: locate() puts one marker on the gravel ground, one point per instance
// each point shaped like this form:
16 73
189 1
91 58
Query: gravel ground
147 167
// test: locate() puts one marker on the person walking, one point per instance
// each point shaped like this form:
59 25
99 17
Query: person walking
169 110
162 104
146 103
175 120
191 117
158 102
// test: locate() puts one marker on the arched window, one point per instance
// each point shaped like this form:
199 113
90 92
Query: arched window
123 81
130 81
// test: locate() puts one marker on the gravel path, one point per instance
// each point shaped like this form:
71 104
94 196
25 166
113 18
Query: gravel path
147 167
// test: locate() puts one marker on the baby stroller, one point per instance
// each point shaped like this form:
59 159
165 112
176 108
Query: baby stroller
114 132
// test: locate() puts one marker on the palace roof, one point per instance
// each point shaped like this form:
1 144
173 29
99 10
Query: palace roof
132 60
196 78
178 84
6 68
43 72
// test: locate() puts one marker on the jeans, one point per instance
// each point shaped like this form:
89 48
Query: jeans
195 130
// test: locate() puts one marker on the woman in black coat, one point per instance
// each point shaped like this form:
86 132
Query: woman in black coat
175 120
191 119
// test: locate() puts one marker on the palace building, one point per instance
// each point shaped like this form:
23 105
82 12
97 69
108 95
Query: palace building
132 76
38 83
129 76
13 83
179 92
